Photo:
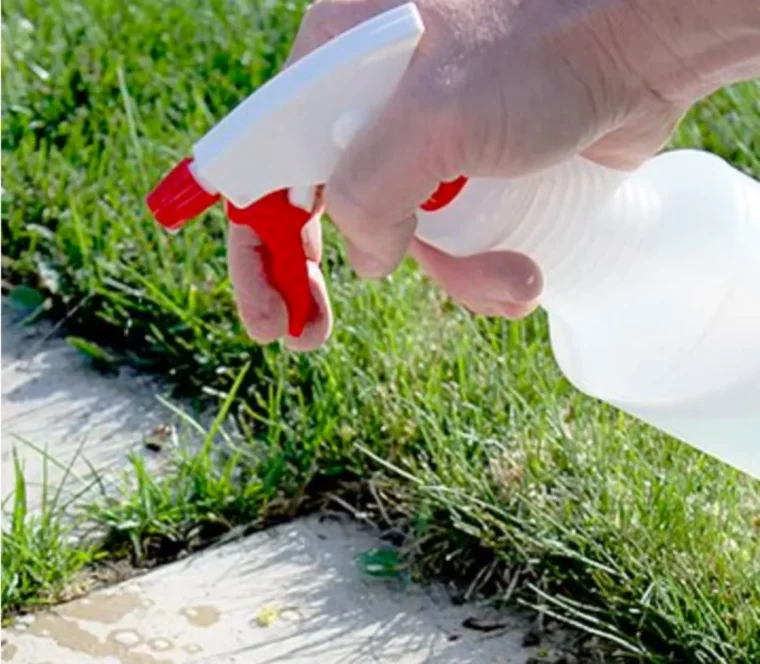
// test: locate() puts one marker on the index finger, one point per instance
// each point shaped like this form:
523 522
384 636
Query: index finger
327 19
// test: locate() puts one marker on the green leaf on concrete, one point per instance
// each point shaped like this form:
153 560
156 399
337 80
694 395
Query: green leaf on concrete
26 298
381 563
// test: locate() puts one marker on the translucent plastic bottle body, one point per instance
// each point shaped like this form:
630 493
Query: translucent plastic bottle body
652 284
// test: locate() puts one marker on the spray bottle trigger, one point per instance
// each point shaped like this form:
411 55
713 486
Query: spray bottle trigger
445 194
278 224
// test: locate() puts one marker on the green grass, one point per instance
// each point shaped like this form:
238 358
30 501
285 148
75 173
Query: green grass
456 431
41 555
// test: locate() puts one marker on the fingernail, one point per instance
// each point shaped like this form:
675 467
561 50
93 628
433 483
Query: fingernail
522 285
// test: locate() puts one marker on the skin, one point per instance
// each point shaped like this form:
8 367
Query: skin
499 88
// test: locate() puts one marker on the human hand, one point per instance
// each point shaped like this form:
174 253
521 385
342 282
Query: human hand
496 89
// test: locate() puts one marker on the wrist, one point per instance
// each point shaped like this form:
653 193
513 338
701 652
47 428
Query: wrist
687 49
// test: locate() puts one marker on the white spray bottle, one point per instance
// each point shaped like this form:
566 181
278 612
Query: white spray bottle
652 278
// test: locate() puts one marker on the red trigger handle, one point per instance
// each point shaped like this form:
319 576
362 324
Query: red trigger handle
278 224
446 192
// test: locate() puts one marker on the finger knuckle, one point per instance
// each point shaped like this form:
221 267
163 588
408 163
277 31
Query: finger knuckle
346 209
321 17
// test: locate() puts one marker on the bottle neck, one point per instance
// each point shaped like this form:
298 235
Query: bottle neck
582 222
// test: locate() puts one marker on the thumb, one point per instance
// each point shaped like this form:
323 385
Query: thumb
381 180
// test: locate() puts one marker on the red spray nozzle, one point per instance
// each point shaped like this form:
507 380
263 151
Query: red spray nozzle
178 197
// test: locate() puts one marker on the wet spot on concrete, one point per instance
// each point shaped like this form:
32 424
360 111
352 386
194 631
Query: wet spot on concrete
69 635
8 651
160 644
201 616
129 638
108 609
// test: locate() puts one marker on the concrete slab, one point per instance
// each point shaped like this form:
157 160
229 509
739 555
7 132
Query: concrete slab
290 594
57 411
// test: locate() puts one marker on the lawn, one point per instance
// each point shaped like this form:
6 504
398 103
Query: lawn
456 431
